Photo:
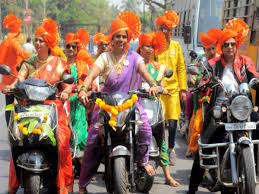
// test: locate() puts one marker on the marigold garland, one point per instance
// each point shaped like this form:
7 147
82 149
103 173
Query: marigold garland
115 110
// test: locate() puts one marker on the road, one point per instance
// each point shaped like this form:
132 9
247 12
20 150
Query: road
181 171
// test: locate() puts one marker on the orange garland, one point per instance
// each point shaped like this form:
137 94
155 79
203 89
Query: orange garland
115 110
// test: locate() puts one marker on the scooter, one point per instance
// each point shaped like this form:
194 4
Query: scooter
32 133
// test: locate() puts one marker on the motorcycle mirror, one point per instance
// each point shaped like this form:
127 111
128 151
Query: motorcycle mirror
193 55
5 70
67 78
253 82
168 73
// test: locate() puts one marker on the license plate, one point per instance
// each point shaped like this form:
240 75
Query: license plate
240 126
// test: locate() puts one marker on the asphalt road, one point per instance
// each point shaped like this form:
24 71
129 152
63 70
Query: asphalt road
180 172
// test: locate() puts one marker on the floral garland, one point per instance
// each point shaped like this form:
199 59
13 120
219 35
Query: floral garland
114 110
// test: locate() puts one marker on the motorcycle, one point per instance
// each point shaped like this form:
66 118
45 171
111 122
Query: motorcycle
154 110
32 133
230 165
121 170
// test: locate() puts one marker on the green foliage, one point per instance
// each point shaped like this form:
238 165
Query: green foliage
47 129
32 125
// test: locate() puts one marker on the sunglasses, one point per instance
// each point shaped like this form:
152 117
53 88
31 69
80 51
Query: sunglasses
69 46
226 44
38 40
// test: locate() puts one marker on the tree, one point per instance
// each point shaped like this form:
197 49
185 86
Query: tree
165 4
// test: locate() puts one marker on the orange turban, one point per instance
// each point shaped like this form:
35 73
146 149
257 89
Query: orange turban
12 23
100 38
211 37
127 21
155 39
240 27
227 34
81 38
170 19
84 55
49 31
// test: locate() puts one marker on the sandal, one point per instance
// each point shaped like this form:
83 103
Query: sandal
173 183
83 191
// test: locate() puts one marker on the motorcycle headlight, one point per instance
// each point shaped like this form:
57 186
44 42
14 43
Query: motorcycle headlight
241 107
217 112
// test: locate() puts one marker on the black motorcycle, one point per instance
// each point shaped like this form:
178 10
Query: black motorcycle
32 133
230 164
121 170
155 113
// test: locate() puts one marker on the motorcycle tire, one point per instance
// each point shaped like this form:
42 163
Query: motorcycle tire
246 172
147 181
120 176
32 184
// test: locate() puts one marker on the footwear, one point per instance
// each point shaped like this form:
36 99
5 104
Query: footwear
83 191
182 131
172 157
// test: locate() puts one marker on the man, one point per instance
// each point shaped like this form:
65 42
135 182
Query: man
232 69
28 46
12 53
102 41
209 43
172 57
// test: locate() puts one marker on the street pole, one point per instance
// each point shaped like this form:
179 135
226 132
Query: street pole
144 17
44 8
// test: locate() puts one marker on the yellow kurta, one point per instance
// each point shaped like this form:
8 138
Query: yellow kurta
173 59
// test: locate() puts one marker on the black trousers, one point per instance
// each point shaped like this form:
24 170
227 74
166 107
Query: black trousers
196 174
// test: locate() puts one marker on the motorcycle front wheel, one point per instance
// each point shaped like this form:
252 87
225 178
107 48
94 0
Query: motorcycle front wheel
120 176
145 182
246 172
32 184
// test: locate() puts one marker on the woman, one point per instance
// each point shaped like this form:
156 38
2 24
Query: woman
148 44
12 53
121 71
51 69
78 61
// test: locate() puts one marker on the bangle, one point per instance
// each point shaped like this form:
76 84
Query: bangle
67 92
152 83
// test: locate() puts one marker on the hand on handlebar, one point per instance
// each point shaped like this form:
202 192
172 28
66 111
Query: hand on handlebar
83 97
153 91
64 96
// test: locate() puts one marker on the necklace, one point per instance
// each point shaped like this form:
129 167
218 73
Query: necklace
118 63
41 61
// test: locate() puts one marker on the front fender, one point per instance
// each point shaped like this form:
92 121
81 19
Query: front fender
120 151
